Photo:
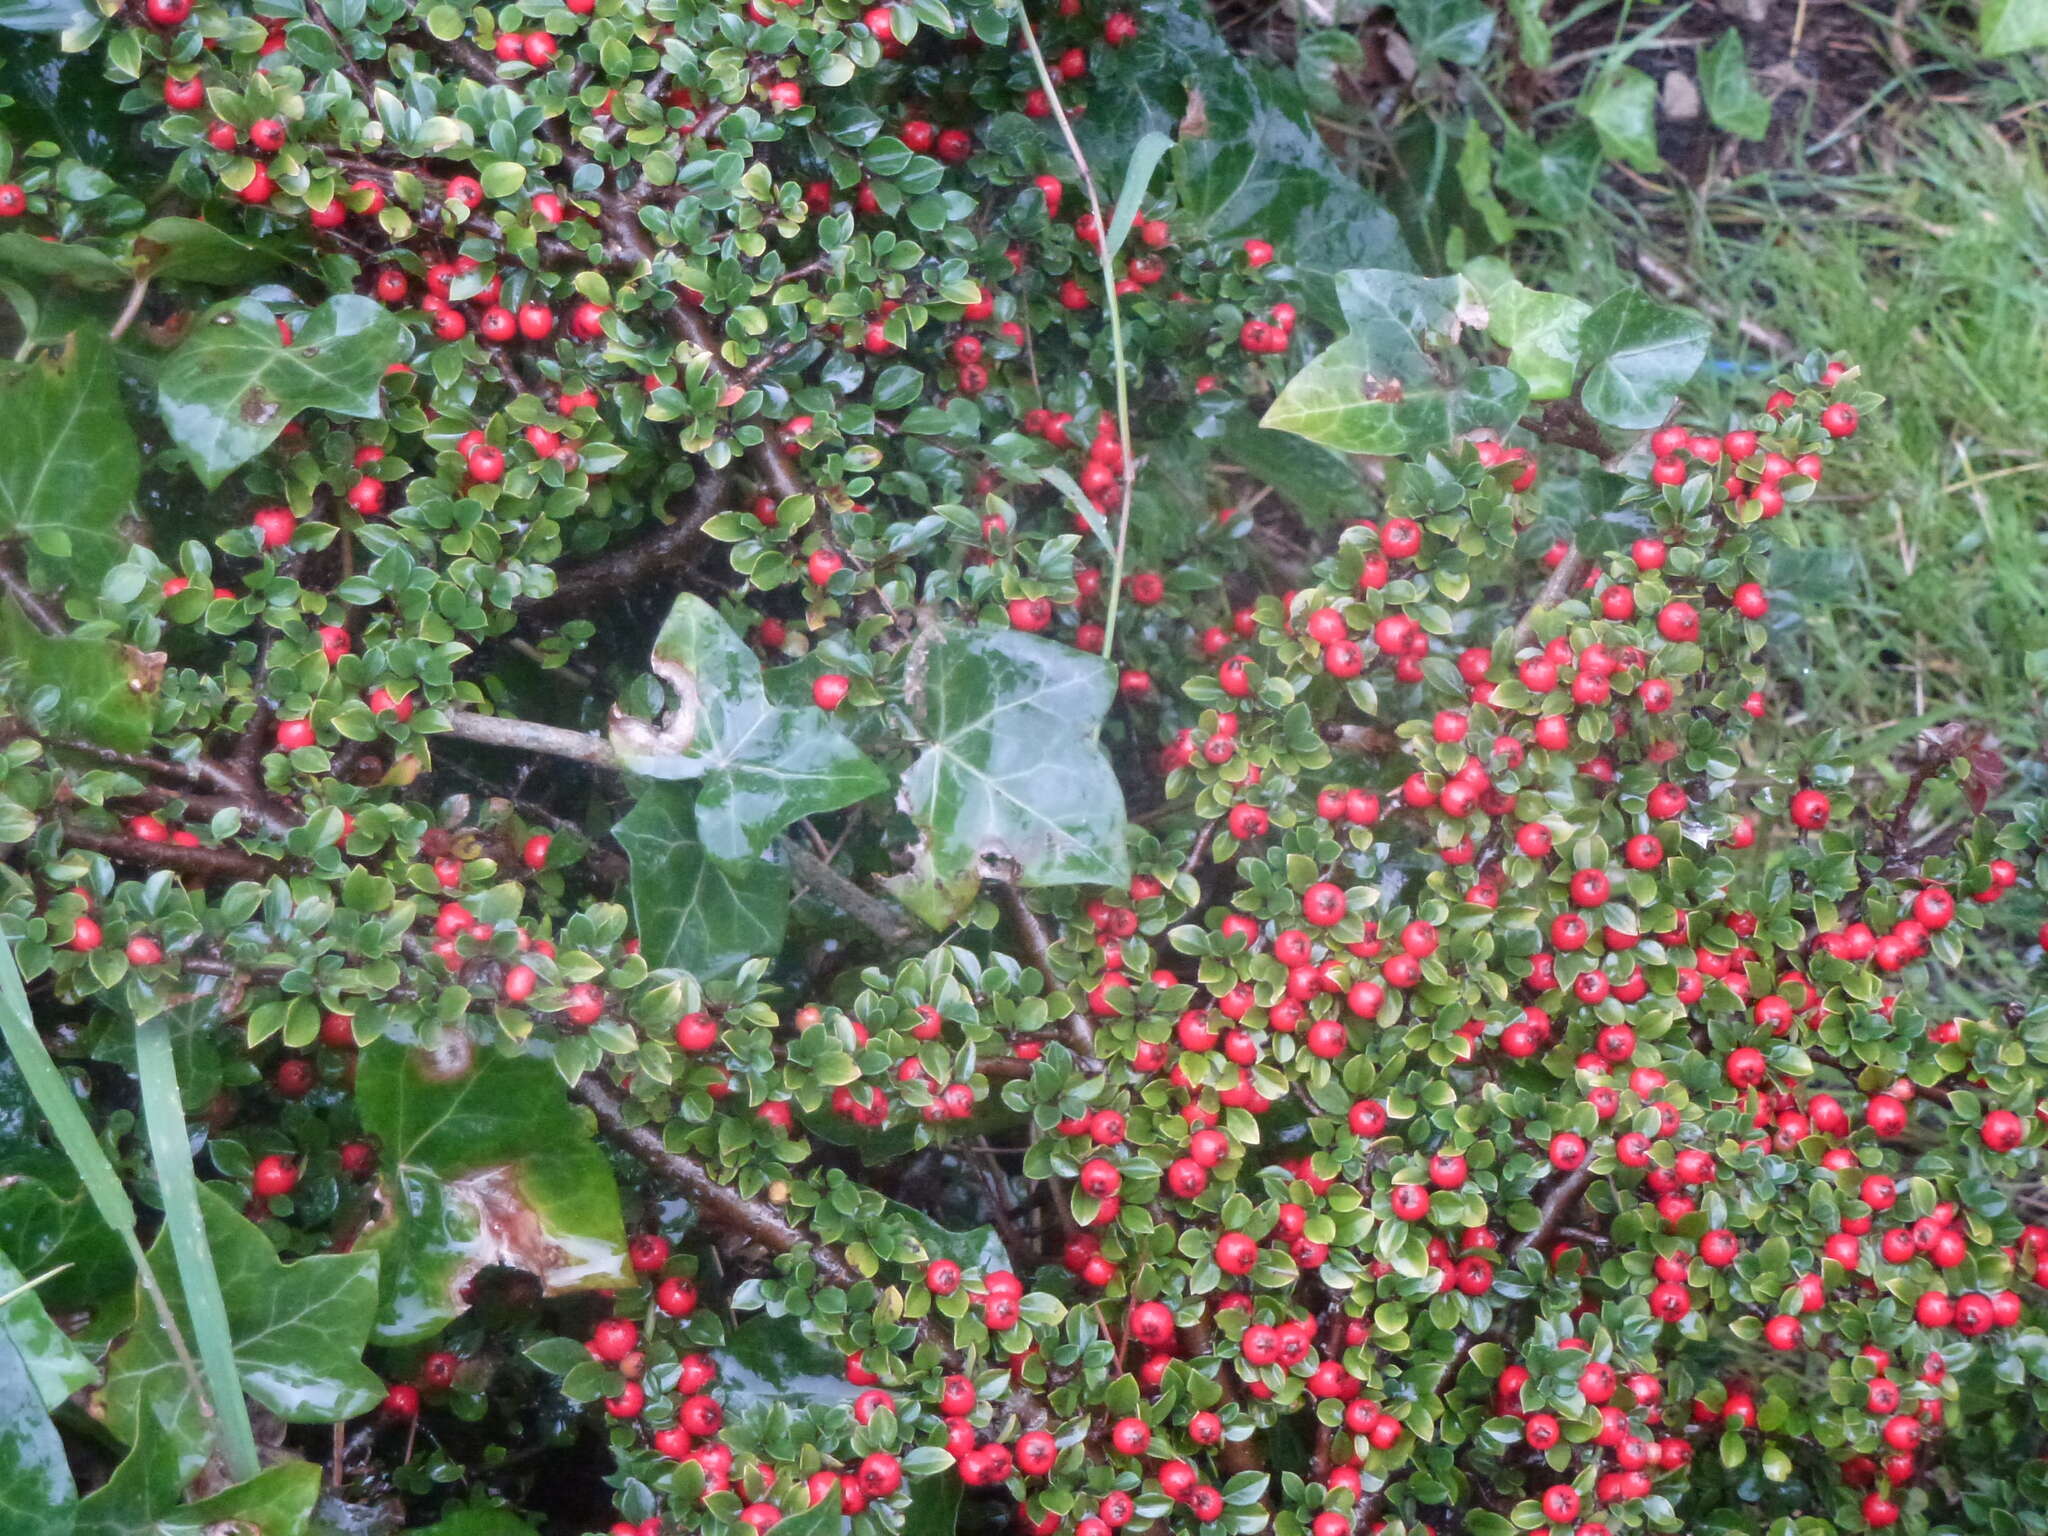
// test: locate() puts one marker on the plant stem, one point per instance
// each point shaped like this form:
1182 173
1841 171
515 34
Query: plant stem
1116 332
170 1149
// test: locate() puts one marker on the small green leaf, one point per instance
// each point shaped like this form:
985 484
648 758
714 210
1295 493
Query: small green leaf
234 385
1640 355
1733 101
484 1161
1540 330
1622 107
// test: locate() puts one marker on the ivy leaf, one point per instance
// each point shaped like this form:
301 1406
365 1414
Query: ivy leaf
1540 330
298 1331
1733 101
1640 354
192 251
141 1499
56 1365
978 1248
37 1496
1319 483
47 1221
1353 398
1247 158
1622 107
478 1520
772 1360
71 467
692 911
1455 31
1014 783
1555 177
72 263
484 1162
76 686
45 15
2011 26
762 765
234 384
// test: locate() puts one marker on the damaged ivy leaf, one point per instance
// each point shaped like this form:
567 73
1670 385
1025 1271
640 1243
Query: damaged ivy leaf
484 1161
760 766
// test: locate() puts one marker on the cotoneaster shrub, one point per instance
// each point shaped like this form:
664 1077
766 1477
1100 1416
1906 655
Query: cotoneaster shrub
752 915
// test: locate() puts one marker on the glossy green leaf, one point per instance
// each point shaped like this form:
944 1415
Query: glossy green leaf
761 765
47 1221
1319 56
1622 107
76 687
772 1360
483 1161
192 251
1540 330
1247 158
44 15
68 262
71 467
1013 783
977 1249
1733 101
298 1331
934 1507
1640 355
692 911
37 1496
233 385
140 1499
1321 484
56 1365
1454 31
2011 26
478 1520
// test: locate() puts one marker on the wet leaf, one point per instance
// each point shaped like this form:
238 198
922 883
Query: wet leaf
2011 26
484 1161
71 468
56 1365
233 385
138 1500
760 766
36 1492
192 251
692 911
1014 783
298 1331
478 1520
1247 159
77 687
1455 31
772 1360
44 15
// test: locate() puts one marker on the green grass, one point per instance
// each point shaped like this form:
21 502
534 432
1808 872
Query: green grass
1922 582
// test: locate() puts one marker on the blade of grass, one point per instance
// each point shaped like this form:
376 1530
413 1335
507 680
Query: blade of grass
1116 328
88 1159
170 1148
